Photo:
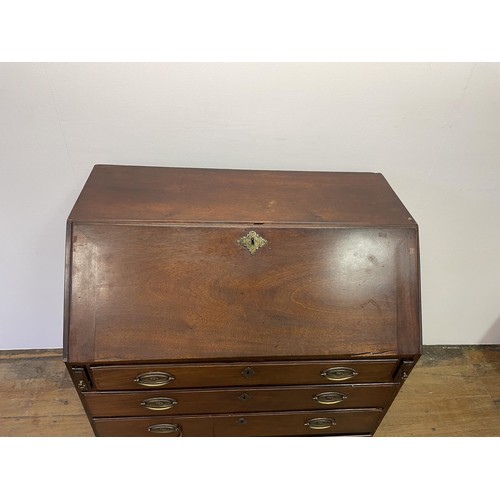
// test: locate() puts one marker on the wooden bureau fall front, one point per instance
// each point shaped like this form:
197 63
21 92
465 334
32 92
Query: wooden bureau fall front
215 302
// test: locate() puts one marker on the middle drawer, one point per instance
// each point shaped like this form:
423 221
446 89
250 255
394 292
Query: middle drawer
239 399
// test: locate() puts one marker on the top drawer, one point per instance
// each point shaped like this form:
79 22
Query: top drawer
241 374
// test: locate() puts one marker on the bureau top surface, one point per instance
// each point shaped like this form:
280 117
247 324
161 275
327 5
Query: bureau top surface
116 193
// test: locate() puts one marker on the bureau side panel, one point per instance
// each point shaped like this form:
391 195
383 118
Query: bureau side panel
67 290
84 264
408 283
179 293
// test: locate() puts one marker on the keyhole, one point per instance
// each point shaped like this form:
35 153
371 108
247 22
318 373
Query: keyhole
242 421
252 241
247 372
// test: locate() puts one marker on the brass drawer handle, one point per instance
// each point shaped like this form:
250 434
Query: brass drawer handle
329 398
165 428
154 379
339 373
158 403
320 423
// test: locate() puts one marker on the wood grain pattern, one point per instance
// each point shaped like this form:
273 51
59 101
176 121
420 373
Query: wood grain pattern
247 424
158 274
37 396
121 377
237 400
138 294
132 193
452 391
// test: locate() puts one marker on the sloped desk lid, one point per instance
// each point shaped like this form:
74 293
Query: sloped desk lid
155 270
166 194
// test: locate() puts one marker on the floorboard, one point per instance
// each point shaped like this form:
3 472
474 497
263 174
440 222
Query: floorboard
453 391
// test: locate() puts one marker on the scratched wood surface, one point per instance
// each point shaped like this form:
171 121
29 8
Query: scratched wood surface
453 391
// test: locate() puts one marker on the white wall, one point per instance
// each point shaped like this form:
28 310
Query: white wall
432 129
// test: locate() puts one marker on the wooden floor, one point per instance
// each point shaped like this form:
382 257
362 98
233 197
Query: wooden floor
453 391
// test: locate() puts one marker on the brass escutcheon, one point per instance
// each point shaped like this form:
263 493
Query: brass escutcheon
247 372
252 242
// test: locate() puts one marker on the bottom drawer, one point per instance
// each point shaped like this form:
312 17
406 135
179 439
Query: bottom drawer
299 423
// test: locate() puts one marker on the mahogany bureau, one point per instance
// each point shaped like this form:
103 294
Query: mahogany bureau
207 302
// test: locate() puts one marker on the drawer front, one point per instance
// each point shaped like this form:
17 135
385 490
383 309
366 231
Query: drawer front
177 402
152 377
312 423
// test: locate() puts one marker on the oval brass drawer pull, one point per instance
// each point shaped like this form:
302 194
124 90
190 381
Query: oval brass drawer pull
320 423
158 403
329 398
154 379
164 428
339 373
